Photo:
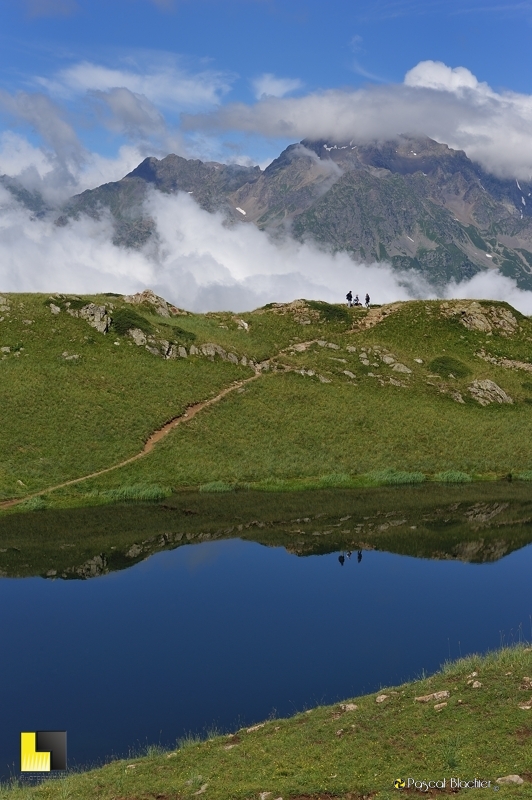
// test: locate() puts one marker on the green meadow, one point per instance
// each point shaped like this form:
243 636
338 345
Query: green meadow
319 396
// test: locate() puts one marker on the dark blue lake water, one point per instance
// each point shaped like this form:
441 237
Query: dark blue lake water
226 633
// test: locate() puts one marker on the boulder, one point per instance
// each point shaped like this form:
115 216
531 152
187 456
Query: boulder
96 316
486 392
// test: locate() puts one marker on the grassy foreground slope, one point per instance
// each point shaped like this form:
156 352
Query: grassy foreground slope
479 727
423 387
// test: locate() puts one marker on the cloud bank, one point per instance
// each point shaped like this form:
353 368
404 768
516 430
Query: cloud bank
449 105
201 264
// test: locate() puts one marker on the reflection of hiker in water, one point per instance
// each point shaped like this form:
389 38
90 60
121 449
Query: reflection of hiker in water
349 298
348 554
359 556
341 559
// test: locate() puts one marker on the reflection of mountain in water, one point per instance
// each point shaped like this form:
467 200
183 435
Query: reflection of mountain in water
480 523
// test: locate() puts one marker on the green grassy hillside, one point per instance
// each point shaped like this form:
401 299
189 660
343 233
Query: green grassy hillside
320 395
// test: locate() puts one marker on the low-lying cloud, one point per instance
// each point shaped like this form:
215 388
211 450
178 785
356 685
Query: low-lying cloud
202 264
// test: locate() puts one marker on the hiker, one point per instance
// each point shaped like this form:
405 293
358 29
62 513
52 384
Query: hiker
357 301
349 298
367 300
341 559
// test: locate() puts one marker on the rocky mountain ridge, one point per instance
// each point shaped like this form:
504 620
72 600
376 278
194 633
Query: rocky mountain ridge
412 201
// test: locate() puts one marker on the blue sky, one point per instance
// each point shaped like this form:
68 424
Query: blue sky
81 79
89 88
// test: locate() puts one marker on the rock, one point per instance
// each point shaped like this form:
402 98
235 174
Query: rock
208 350
73 357
300 348
333 346
134 551
5 349
340 732
51 573
418 360
193 350
428 698
476 685
244 361
351 349
401 368
381 698
265 795
232 358
486 392
509 779
138 336
348 707
388 359
476 317
526 706
323 379
202 790
160 306
242 324
364 361
349 374
153 350
473 675
182 351
439 706
96 316
54 309
256 727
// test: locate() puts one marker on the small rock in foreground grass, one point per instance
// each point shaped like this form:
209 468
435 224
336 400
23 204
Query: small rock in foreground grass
509 779
427 698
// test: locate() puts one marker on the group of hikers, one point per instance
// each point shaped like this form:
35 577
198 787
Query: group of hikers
355 302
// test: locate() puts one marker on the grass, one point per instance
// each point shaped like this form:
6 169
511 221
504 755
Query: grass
453 476
321 416
334 752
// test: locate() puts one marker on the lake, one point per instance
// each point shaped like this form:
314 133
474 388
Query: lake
223 633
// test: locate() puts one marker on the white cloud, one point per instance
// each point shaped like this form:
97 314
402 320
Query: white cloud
449 105
160 79
437 75
268 85
202 264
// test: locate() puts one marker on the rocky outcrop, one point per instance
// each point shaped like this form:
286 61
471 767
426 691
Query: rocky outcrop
159 304
476 317
97 316
507 363
486 392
